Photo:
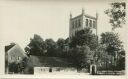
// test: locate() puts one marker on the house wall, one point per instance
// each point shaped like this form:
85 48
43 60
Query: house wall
15 54
58 70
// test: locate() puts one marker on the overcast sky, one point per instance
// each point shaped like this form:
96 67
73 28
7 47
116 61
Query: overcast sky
20 20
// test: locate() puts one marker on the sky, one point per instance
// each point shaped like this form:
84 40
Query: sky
20 20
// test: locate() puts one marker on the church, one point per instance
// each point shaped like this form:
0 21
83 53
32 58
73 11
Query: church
82 21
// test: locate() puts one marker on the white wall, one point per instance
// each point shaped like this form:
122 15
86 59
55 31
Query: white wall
2 59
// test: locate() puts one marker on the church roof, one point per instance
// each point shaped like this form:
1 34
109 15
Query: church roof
86 15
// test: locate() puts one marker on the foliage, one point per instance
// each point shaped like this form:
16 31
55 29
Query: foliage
50 47
117 14
112 42
113 49
103 58
84 37
81 56
36 46
24 62
60 43
46 48
13 67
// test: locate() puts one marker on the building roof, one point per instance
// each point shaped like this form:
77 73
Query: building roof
86 15
41 61
16 50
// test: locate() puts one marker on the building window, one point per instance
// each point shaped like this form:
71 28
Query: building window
94 24
75 23
90 23
87 22
18 58
72 24
79 23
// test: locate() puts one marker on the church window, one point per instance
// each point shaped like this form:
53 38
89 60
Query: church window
94 24
72 24
90 23
76 24
87 22
79 23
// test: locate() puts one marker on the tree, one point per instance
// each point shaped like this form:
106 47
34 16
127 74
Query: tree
113 46
84 37
60 47
13 67
60 43
24 63
112 42
81 56
36 46
51 47
117 14
104 60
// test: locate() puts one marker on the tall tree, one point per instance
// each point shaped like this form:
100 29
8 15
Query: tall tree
117 14
113 46
84 37
60 43
112 42
36 46
51 47
81 56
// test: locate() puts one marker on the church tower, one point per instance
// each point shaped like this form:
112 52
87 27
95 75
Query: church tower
82 21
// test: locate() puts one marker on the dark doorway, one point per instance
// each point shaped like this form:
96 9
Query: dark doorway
93 70
50 70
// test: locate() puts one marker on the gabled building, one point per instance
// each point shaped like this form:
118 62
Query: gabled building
14 54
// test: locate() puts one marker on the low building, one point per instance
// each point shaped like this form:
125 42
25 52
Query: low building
13 57
42 64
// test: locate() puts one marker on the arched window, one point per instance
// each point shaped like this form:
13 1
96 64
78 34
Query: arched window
90 23
76 24
86 22
79 21
94 24
72 24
